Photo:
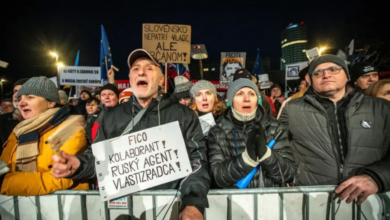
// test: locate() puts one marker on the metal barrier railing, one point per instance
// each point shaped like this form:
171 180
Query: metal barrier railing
229 193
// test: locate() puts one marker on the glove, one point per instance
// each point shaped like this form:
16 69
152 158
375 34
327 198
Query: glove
256 144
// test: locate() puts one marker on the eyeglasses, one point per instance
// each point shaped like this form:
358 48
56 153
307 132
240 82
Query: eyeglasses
332 70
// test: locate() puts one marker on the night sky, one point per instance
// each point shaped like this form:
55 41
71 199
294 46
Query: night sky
30 31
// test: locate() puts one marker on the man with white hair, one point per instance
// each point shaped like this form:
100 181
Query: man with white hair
145 77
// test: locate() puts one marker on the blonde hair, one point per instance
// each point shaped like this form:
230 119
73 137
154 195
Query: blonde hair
375 88
217 108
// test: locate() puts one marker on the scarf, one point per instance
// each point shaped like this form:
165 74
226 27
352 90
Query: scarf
27 133
243 117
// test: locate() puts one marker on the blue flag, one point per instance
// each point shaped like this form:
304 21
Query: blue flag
258 67
105 55
76 63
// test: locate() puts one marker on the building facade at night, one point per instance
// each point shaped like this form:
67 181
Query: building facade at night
294 44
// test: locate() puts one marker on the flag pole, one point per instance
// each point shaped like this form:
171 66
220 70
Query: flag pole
105 58
201 68
166 77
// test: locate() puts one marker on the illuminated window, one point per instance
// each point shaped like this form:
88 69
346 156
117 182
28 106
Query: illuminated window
294 42
205 69
212 69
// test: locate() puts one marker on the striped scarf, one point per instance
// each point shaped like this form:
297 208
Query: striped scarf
28 132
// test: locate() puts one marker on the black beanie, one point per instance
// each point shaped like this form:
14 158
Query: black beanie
111 87
86 91
242 73
20 82
361 68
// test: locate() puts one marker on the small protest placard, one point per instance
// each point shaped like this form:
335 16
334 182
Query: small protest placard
169 43
312 53
206 122
80 76
140 160
264 81
120 203
292 70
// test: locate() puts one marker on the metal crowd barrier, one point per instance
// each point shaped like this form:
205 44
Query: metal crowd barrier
311 202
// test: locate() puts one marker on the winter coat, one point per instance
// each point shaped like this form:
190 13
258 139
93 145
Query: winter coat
193 188
227 141
335 141
41 182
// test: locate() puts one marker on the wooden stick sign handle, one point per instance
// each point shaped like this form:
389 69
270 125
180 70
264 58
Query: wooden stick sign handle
114 67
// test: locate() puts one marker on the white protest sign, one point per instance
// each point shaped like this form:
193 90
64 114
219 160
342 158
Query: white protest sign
80 76
140 160
292 70
206 122
264 81
118 203
312 53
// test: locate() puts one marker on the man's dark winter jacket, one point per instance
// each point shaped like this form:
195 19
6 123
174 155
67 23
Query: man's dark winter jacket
195 187
80 107
227 141
7 125
333 142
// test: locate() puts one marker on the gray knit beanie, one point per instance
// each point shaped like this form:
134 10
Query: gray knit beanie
182 87
328 58
201 85
237 85
62 95
42 87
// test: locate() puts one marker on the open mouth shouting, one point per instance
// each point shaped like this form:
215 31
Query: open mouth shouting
142 83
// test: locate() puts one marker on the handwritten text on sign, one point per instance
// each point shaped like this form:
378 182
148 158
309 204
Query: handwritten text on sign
80 76
140 160
169 43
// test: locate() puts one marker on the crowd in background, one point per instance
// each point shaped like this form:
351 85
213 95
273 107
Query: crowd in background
333 131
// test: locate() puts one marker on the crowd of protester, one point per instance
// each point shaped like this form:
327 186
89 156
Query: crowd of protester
333 131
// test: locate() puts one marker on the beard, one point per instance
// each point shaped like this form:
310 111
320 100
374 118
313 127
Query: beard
152 91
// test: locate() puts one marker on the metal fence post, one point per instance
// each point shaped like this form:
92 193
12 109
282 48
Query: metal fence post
83 202
60 210
106 211
281 206
256 205
38 207
130 206
16 207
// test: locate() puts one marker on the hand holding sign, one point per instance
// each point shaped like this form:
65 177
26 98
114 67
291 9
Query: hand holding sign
145 159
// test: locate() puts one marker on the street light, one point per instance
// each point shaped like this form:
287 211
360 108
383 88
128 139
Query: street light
322 49
54 55
1 83
58 68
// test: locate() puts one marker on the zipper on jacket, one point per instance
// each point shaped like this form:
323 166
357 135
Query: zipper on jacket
340 142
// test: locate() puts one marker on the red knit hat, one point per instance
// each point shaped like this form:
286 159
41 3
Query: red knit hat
125 94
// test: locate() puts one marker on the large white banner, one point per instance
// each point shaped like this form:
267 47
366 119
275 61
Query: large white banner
80 76
140 160
293 69
230 62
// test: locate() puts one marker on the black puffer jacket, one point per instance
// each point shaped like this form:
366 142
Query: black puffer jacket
333 142
194 188
227 141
